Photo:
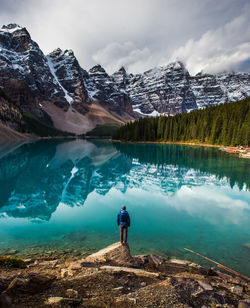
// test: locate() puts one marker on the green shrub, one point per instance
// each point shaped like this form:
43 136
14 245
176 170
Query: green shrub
12 262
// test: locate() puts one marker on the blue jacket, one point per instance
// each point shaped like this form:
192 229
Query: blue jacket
123 219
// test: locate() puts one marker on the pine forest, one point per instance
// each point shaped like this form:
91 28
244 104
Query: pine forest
227 124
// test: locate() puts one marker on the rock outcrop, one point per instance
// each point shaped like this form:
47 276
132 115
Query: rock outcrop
93 284
117 254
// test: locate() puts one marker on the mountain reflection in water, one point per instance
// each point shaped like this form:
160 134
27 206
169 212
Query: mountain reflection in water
35 178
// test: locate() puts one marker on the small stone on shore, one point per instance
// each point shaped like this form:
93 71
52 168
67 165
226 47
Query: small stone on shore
71 293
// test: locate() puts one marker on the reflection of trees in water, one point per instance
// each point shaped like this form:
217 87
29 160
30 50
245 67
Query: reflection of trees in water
208 160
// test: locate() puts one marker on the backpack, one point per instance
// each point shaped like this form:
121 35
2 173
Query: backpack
123 217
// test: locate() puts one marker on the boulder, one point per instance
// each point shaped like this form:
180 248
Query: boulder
40 282
71 293
205 285
115 254
54 300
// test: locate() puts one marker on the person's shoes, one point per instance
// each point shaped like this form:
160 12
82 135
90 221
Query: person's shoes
121 242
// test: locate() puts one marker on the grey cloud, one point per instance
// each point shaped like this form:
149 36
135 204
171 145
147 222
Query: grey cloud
156 30
115 55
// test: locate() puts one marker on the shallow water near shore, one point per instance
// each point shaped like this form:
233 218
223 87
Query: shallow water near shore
64 196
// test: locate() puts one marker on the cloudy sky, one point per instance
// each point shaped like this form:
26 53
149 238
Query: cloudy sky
208 35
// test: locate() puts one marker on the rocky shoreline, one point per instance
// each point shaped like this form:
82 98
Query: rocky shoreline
112 277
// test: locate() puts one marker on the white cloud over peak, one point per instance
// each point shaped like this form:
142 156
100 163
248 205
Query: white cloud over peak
223 49
115 55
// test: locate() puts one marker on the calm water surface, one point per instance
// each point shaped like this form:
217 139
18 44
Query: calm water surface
65 194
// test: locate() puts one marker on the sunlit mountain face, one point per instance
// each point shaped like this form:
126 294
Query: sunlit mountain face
66 193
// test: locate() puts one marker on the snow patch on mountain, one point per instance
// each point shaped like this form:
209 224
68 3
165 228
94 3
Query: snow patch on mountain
68 98
11 28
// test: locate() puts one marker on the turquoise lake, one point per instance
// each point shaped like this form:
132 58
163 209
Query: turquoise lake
65 195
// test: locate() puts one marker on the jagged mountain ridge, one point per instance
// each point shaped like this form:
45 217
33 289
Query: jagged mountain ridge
77 100
55 85
171 89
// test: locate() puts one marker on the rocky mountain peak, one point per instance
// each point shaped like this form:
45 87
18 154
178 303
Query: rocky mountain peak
16 38
97 69
69 53
122 70
11 27
56 53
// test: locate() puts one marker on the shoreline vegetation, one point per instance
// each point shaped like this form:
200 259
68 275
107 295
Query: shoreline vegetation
172 142
245 150
227 124
112 277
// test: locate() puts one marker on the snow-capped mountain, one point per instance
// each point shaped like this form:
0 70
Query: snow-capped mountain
56 85
171 89
55 89
21 59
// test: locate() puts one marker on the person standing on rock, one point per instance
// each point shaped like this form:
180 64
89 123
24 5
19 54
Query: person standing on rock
123 221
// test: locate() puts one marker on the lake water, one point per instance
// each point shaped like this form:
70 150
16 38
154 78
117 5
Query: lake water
65 195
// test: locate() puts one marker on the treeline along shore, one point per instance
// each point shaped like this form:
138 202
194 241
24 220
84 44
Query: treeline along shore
227 124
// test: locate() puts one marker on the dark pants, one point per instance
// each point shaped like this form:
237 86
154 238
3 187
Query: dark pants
125 230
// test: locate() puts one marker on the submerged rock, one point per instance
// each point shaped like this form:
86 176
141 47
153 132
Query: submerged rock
247 245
